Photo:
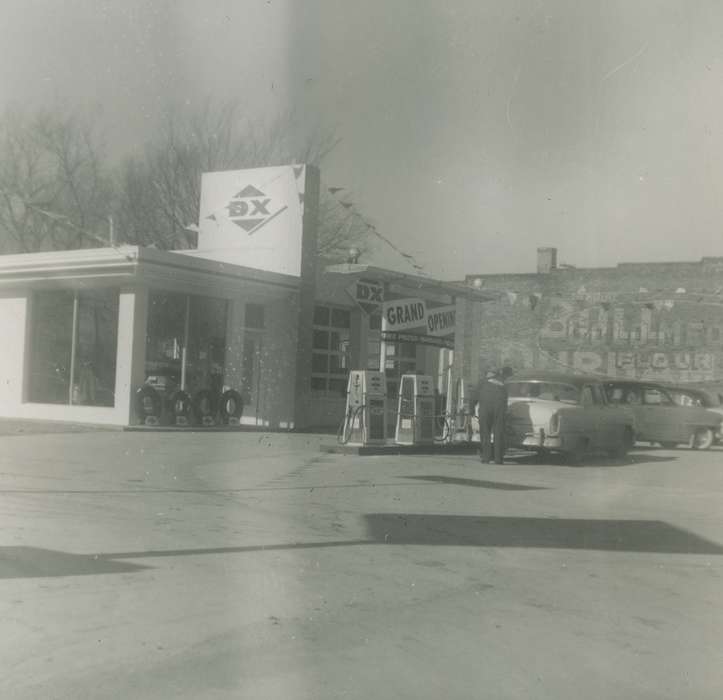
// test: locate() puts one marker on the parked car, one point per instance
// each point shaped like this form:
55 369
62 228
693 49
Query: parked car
696 396
658 418
565 413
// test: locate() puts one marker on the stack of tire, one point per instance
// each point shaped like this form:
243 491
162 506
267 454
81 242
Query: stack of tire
204 408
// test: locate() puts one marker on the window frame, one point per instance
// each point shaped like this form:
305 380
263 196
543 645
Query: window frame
75 371
334 381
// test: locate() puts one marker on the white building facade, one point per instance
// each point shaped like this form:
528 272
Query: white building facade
251 310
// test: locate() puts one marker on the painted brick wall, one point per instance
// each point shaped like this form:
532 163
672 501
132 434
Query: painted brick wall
662 321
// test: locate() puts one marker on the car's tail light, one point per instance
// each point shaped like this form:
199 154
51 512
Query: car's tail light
554 427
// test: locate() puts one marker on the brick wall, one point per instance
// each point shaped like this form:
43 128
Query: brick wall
662 321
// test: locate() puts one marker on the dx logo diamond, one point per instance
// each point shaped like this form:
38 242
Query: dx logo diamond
250 209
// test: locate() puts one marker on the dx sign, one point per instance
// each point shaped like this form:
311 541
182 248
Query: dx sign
369 296
369 293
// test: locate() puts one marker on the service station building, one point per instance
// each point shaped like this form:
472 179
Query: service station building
252 310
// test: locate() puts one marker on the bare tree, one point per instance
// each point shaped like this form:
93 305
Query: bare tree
159 194
54 192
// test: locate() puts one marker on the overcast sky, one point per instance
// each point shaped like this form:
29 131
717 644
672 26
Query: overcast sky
471 131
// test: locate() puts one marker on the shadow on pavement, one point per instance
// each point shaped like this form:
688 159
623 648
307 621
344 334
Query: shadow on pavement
652 536
33 562
502 531
478 483
558 460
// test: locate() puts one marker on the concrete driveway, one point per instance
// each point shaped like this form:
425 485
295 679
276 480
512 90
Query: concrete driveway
224 565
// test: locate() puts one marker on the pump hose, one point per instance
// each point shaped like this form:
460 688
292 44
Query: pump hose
342 436
446 427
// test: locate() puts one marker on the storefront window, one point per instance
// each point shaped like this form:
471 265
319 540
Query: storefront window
164 340
330 350
253 349
185 342
206 344
73 347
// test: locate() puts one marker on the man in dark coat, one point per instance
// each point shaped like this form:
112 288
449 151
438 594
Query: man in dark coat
492 413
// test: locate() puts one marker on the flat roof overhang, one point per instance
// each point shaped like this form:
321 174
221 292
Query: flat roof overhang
406 283
136 265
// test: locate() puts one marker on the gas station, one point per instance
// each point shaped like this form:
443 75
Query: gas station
250 329
410 389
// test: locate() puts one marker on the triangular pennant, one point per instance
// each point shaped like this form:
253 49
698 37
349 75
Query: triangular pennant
249 191
346 205
334 190
298 169
212 217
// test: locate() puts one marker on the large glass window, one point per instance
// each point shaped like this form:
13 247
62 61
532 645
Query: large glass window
206 344
73 344
330 350
164 340
185 342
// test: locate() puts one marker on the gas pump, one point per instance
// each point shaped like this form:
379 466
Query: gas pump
364 418
415 414
463 400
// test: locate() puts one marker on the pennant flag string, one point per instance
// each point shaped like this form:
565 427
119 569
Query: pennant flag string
371 227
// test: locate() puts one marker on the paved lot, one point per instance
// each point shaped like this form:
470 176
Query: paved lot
167 565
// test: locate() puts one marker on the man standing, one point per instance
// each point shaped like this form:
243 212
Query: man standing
492 412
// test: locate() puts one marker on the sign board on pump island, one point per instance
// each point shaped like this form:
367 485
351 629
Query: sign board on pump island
402 314
431 323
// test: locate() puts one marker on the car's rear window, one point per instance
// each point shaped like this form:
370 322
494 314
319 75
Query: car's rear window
547 391
683 398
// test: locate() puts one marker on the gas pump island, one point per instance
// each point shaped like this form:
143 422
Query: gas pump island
425 410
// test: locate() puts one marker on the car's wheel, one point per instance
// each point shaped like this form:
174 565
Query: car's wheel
576 456
702 439
669 445
541 456
621 449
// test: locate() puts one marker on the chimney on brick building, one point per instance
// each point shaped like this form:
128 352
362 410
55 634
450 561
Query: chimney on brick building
546 260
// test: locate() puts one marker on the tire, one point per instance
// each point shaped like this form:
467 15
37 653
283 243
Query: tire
148 403
205 404
180 405
702 439
541 456
231 405
576 456
621 450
